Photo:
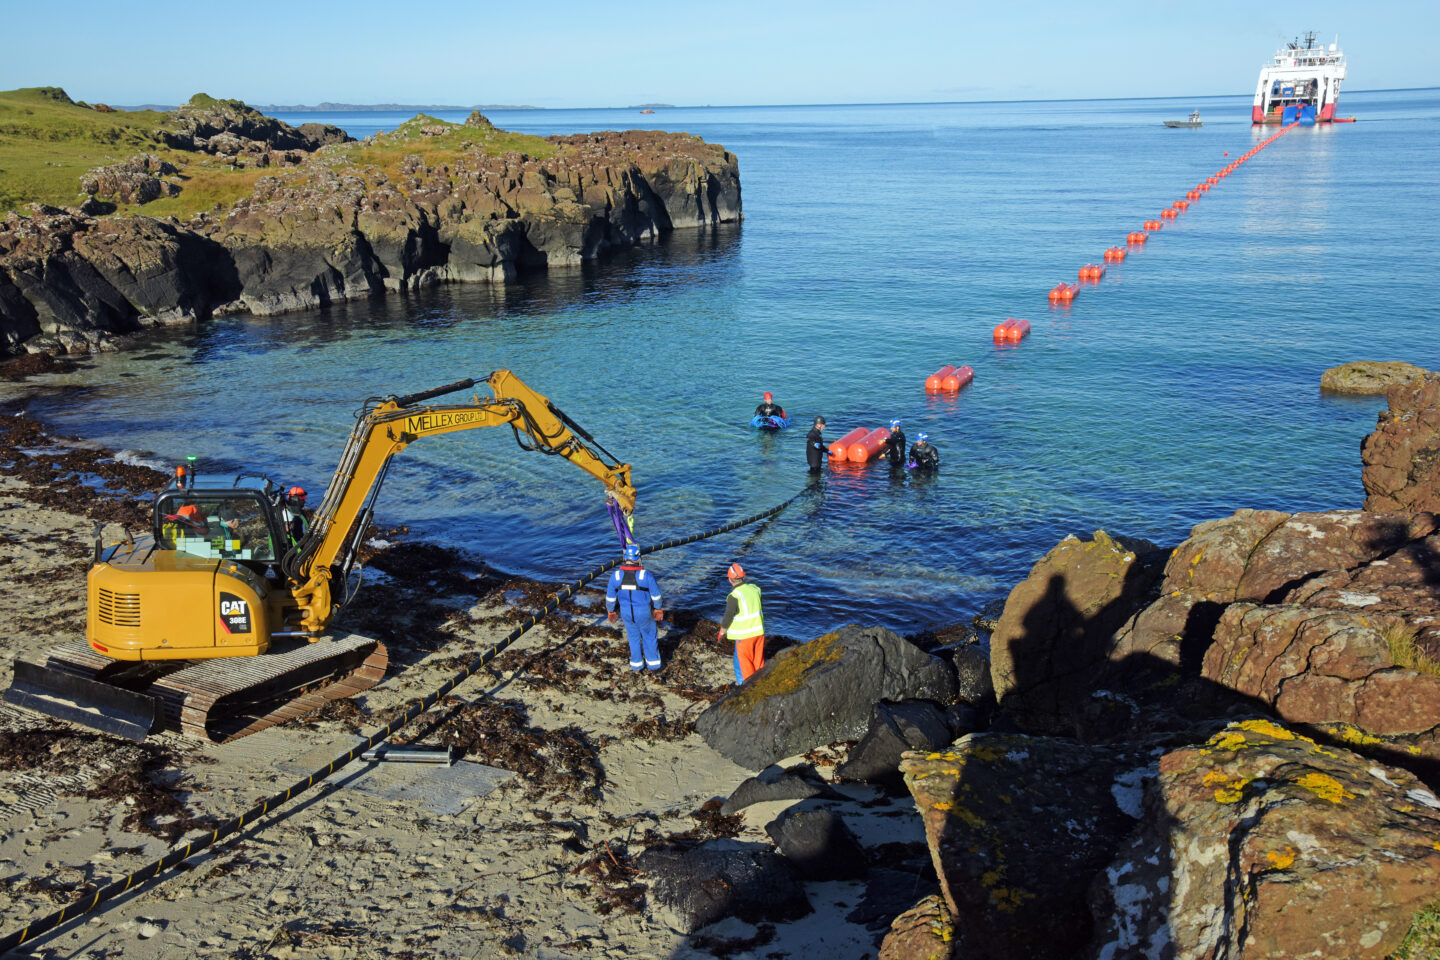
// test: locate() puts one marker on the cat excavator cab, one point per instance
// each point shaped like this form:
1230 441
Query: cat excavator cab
216 623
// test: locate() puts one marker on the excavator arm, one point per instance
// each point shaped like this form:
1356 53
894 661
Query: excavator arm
383 428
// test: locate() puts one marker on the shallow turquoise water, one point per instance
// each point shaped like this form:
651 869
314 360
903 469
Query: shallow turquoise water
880 242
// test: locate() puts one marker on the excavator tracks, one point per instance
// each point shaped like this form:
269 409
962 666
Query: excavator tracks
219 700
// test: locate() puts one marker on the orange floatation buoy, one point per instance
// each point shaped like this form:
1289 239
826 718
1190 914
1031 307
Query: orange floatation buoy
960 378
1012 330
935 382
1136 236
867 446
839 447
1064 292
1181 204
1169 214
1154 224
1115 255
1192 195
1091 272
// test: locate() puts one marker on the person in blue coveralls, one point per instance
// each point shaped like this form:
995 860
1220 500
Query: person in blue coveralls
634 597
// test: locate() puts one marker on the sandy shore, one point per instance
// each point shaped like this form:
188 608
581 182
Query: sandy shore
387 860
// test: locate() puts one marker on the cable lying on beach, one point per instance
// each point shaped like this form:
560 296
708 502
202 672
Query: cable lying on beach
179 854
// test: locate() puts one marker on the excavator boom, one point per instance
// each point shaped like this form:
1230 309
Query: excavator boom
386 426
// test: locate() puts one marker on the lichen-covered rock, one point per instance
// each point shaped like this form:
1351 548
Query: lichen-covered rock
1402 456
924 932
1370 377
1263 844
1058 626
1319 666
1018 827
820 692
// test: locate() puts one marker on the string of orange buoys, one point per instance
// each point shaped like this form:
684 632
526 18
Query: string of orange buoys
1013 329
862 444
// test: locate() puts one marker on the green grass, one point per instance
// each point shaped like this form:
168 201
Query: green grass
1401 640
48 142
389 151
1423 940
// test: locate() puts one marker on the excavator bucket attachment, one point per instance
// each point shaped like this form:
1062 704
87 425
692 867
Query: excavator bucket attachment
81 700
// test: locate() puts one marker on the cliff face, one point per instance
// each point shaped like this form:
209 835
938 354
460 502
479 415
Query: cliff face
431 202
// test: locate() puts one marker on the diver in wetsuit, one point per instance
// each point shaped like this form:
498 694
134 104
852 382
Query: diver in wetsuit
769 408
923 456
894 447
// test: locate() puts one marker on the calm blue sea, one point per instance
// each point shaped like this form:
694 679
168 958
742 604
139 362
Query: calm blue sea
879 243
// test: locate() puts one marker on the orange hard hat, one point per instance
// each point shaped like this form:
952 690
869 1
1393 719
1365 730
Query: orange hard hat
191 511
735 572
296 492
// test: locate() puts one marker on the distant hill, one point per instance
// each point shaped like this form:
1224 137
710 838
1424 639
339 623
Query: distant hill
651 106
375 107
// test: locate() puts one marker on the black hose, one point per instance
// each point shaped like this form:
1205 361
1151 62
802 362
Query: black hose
180 854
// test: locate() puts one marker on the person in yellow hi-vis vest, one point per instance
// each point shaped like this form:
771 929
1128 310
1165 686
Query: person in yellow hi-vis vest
744 624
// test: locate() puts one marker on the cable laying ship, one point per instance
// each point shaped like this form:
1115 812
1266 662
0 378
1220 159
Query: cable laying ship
1301 83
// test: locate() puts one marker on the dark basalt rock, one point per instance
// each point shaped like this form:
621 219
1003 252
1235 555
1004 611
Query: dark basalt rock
820 692
724 879
799 782
818 843
894 729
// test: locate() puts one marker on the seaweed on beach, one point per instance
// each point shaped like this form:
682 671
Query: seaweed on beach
613 870
57 472
141 778
498 732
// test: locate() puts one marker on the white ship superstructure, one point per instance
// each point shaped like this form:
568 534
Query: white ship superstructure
1301 83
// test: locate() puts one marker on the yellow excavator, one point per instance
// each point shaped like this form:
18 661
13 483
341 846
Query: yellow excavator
216 622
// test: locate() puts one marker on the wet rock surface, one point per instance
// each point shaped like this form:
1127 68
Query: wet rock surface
717 880
1262 843
820 692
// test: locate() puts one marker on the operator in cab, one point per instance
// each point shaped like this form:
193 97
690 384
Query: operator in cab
292 515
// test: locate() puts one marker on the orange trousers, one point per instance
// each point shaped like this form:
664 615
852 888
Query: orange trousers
749 657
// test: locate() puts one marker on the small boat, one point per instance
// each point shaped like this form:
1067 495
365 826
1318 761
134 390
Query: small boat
647 111
1194 121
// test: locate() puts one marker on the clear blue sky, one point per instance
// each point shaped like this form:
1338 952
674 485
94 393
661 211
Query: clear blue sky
567 53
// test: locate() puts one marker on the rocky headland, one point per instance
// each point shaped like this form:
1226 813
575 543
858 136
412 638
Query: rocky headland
305 216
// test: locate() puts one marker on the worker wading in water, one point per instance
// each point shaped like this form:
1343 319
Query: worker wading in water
744 624
634 597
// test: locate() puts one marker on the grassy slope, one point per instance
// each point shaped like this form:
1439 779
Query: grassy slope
47 143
